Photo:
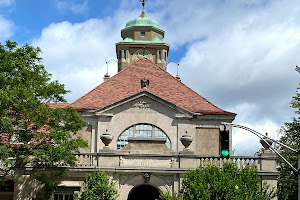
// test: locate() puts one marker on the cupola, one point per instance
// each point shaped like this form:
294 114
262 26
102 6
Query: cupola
142 37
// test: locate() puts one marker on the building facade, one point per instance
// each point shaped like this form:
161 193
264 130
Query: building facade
145 127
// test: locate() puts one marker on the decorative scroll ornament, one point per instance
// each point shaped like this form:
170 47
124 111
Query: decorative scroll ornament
141 105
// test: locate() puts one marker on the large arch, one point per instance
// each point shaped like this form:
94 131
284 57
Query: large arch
139 180
145 192
142 130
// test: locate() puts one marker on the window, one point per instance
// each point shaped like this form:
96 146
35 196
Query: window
142 131
143 34
159 55
63 197
123 139
120 55
165 56
125 54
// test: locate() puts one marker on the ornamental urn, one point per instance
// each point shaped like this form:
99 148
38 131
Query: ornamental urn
186 140
106 138
264 144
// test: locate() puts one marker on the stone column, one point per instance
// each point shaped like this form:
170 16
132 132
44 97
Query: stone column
268 171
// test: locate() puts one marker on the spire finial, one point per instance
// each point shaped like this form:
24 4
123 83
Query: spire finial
143 4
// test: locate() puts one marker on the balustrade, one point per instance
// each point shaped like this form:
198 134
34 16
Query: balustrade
91 160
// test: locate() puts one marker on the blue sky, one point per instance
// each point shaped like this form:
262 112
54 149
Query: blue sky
30 17
240 55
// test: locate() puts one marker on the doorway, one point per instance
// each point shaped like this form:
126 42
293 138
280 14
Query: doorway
144 192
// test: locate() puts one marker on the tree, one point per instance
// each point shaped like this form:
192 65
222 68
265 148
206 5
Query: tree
290 135
30 131
229 182
98 186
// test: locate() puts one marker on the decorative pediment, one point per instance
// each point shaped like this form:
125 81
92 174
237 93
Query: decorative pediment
144 101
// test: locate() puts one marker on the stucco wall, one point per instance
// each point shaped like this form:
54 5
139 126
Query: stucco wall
207 141
86 134
172 122
128 114
26 187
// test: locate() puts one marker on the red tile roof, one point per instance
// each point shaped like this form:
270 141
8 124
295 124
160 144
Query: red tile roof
57 105
128 82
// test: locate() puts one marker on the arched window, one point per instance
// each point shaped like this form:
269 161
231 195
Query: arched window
141 130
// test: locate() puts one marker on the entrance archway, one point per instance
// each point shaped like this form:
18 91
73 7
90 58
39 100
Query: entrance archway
145 192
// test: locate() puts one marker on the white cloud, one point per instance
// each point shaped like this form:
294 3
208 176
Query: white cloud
6 28
76 53
6 3
240 55
246 143
76 8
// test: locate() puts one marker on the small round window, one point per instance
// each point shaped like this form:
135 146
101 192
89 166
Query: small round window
142 131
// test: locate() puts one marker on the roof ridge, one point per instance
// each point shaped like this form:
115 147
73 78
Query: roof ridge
190 88
144 67
201 96
187 87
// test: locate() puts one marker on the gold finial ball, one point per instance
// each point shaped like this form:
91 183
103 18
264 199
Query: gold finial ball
143 2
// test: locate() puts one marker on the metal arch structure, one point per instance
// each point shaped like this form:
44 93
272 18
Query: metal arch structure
175 63
263 137
108 62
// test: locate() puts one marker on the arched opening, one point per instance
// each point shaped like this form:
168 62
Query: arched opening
141 131
145 192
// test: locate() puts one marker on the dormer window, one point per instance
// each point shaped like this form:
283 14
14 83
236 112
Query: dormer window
143 34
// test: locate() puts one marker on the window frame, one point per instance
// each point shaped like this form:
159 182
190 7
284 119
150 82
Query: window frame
131 131
160 55
125 54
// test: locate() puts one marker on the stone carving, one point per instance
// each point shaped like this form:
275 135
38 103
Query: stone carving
146 177
145 83
155 163
141 105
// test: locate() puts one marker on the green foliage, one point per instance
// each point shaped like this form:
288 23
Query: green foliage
260 151
229 182
98 186
31 132
168 196
288 180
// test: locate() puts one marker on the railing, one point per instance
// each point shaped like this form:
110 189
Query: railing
240 161
100 159
86 159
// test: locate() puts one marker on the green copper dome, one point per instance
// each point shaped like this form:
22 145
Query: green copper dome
142 20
